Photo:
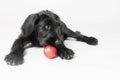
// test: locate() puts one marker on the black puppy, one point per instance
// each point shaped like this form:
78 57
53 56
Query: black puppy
41 29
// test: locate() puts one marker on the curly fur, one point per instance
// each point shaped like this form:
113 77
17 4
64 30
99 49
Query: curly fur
41 29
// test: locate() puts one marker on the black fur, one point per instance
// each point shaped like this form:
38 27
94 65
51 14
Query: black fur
41 29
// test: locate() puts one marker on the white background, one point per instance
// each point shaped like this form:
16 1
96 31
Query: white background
98 18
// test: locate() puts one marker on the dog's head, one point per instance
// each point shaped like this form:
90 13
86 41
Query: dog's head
43 24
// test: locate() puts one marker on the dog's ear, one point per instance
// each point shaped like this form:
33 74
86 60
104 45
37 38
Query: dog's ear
29 24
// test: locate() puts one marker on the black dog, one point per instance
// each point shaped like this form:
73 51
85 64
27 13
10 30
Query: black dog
41 29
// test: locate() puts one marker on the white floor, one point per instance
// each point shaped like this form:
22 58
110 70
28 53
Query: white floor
100 19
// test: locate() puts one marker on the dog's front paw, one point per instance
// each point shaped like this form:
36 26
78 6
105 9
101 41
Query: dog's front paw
14 59
92 41
66 53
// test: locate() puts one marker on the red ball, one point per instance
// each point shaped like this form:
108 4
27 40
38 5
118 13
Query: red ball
50 52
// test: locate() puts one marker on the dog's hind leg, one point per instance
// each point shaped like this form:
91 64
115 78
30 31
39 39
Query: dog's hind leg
80 37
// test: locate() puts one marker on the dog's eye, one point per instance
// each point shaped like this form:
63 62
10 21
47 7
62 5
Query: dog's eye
46 27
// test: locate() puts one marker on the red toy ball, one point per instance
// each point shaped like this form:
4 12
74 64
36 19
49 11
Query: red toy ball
50 52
